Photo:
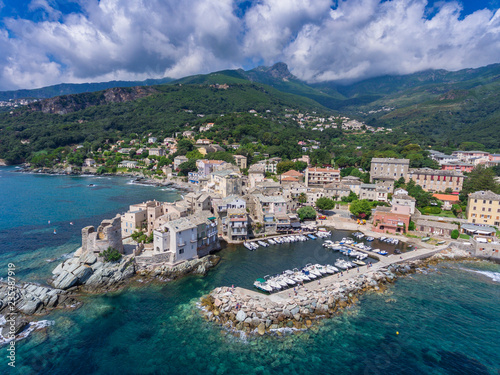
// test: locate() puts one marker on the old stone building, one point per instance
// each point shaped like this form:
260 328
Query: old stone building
108 234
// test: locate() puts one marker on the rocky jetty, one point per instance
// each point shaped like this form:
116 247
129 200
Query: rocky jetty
91 274
260 314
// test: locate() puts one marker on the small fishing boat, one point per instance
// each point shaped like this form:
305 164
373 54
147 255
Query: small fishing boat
55 232
425 239
311 236
263 244
370 239
248 246
271 241
331 269
359 262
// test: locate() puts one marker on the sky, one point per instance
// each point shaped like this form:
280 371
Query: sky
46 42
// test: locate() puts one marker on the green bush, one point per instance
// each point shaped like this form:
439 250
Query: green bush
306 213
411 226
454 234
431 210
111 255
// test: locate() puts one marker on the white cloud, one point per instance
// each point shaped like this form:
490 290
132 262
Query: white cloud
131 39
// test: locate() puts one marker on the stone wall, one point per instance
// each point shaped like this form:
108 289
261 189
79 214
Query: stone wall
108 234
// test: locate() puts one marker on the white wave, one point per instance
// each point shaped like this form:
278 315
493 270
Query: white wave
26 332
495 276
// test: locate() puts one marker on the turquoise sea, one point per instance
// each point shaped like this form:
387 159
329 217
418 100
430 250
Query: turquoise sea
442 322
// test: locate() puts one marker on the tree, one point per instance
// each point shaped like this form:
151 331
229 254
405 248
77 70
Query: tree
350 198
306 213
186 167
411 226
302 198
454 234
325 203
481 178
361 208
111 255
284 166
195 154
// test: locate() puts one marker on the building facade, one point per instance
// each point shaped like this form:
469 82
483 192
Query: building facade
434 180
321 176
483 207
388 168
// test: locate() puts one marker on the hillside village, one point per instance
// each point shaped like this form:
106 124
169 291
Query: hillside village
232 201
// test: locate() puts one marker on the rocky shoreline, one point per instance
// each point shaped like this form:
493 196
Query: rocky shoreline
239 310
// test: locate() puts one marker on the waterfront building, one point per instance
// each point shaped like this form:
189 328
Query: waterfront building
483 207
386 220
373 192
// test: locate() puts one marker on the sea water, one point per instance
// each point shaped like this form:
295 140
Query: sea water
442 322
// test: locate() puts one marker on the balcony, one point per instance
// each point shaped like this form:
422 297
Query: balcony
181 244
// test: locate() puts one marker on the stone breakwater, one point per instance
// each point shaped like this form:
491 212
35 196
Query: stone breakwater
255 312
251 312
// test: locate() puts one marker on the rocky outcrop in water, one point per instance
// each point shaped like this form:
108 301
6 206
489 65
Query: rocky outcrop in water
196 266
92 275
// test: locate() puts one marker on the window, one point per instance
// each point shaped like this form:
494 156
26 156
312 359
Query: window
181 251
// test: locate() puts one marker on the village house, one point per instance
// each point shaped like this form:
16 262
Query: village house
256 174
457 166
232 218
270 164
373 192
178 160
267 209
180 240
401 198
208 149
152 140
434 180
291 176
156 152
448 200
353 183
203 141
241 161
188 134
321 176
225 182
435 228
385 220
128 164
442 158
483 207
88 162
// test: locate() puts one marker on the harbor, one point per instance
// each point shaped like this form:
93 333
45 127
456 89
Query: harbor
241 309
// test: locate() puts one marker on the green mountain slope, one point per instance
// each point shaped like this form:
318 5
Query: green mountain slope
115 113
76 88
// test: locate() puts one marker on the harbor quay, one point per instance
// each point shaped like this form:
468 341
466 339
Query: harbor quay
242 310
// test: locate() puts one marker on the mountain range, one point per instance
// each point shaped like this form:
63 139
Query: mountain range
437 105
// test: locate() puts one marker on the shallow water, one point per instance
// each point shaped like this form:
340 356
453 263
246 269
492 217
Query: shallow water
447 320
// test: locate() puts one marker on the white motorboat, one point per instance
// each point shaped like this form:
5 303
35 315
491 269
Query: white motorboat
270 281
271 241
287 279
248 246
341 264
312 270
263 244
262 285
331 269
278 279
320 268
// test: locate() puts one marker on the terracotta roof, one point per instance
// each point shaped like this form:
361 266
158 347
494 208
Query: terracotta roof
446 197
292 172
290 178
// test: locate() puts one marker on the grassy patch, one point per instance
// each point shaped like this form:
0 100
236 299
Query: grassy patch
464 236
443 214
